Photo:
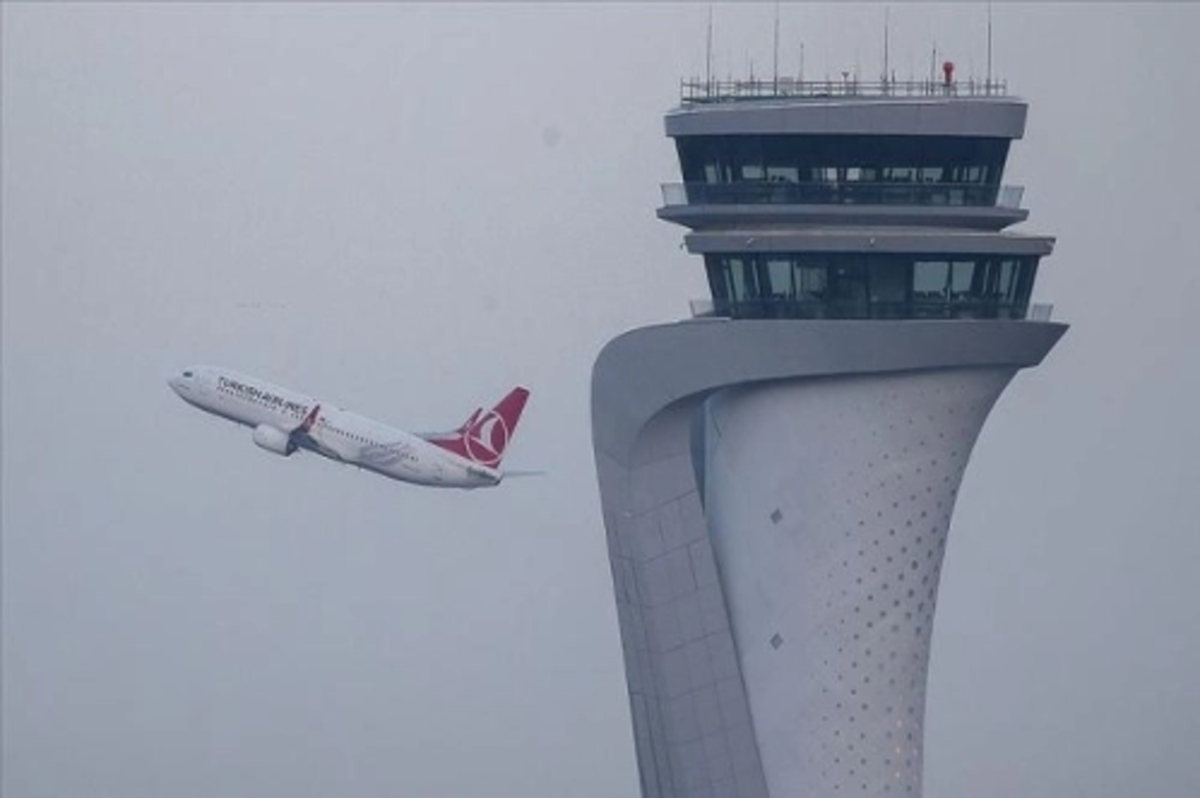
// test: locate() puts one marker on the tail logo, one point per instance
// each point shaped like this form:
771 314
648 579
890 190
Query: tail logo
483 437
487 439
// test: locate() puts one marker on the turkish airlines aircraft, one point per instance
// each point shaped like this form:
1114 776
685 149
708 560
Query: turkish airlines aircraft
284 421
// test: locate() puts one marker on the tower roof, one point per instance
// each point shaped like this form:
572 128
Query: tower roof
893 108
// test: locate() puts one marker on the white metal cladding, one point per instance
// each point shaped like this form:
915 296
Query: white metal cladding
898 116
845 238
691 721
828 502
692 727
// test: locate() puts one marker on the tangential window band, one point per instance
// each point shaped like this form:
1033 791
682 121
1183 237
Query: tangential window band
778 472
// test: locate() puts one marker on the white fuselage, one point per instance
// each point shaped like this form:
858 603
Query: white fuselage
335 433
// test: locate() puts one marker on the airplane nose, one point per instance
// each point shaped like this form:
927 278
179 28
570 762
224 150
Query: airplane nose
176 384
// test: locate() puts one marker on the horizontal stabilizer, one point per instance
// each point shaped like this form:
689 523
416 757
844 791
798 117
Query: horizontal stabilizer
523 473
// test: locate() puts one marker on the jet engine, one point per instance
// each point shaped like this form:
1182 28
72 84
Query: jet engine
274 440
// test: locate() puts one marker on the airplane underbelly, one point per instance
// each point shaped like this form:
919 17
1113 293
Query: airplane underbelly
421 471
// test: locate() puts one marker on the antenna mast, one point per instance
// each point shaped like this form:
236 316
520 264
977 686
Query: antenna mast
708 54
775 70
989 48
885 45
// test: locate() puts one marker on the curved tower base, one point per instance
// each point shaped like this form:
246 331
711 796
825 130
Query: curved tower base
776 496
828 504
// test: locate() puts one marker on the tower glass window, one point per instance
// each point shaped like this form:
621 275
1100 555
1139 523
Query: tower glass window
819 169
880 286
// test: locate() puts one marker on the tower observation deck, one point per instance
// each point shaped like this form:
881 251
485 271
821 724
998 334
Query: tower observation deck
778 473
850 201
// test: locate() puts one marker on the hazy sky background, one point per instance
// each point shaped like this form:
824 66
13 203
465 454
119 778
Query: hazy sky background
408 208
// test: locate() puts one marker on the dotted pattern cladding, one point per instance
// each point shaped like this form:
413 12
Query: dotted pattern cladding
828 502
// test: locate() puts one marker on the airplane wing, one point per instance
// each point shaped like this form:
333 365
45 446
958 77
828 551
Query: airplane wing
300 434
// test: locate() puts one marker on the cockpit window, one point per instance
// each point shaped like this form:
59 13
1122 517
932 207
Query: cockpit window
187 373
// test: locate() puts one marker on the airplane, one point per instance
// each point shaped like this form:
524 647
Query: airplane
285 421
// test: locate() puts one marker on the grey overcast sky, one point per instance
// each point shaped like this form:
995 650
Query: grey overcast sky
407 208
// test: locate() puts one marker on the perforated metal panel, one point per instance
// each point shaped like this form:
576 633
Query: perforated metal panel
832 605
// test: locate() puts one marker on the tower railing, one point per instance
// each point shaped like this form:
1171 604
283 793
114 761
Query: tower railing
772 192
697 91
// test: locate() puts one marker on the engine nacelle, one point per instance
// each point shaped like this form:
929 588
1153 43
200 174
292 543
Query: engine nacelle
274 440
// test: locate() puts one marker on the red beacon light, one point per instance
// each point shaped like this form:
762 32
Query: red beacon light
948 72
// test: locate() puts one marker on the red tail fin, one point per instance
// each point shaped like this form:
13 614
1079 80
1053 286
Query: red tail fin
485 436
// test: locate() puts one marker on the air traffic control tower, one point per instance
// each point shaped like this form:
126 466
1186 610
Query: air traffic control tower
778 472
